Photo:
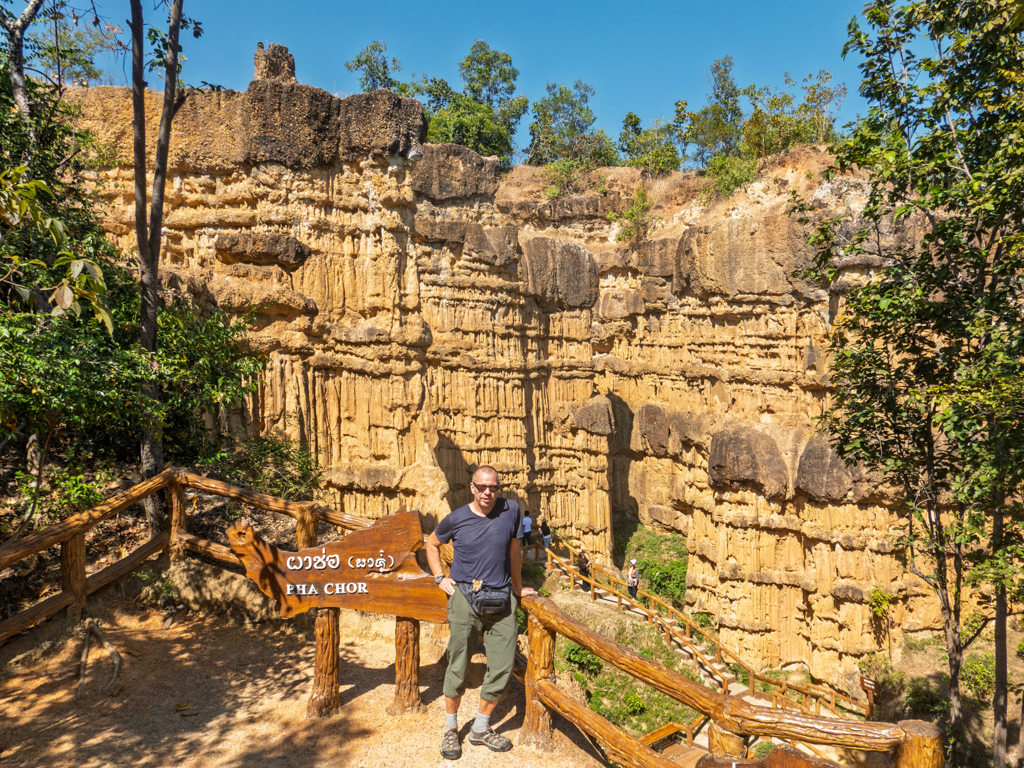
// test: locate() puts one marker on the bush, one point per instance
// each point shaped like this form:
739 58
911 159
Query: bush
570 177
978 674
634 221
729 173
583 659
763 749
922 698
662 560
634 705
267 464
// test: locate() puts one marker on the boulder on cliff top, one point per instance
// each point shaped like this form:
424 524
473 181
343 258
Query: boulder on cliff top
447 172
305 127
740 455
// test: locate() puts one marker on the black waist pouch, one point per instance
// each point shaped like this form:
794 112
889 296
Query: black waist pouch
486 601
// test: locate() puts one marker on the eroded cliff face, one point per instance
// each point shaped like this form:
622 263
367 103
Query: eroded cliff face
423 316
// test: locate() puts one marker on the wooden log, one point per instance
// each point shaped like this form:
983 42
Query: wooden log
922 747
306 524
38 612
208 548
407 666
731 713
722 743
51 605
540 665
128 564
340 519
621 747
326 697
72 574
82 522
179 521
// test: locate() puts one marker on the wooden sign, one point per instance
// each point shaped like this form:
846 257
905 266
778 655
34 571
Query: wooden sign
373 569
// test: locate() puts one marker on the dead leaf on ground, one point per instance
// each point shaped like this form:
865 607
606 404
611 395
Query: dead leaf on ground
182 705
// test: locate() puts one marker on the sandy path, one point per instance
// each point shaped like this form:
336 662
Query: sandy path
246 688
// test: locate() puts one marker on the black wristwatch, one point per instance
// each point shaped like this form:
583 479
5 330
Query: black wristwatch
439 579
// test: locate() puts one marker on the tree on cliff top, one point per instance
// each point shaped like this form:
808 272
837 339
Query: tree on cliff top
563 129
929 355
376 71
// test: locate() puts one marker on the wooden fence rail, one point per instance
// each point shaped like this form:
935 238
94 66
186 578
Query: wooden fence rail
837 703
70 533
915 744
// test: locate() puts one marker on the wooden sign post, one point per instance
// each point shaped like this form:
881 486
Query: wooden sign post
373 569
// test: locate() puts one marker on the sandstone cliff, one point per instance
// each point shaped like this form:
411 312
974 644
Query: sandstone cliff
424 316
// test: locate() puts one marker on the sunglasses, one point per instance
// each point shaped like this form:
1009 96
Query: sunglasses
482 488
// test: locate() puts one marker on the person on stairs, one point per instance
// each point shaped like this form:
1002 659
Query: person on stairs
632 579
483 590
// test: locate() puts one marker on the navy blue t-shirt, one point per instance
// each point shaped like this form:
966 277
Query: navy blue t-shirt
481 543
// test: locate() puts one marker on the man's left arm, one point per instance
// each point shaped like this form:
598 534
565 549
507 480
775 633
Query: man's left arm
516 559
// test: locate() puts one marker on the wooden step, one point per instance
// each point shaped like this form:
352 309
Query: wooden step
685 756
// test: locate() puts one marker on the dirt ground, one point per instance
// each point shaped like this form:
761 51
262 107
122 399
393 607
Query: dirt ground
206 693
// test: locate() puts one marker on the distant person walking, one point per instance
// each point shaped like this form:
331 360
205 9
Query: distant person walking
632 579
545 532
583 566
527 527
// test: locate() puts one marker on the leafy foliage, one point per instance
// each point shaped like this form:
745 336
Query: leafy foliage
634 221
651 149
715 129
268 464
376 70
583 659
979 675
661 561
929 356
563 129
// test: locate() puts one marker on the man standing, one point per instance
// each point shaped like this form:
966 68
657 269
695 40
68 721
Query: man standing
483 593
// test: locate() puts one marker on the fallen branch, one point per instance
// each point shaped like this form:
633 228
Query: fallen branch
92 629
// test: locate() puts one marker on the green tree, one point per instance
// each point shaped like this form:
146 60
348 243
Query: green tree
563 129
489 78
376 71
63 48
929 355
715 130
652 150
465 121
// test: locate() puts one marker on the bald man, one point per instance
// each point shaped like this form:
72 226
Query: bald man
483 593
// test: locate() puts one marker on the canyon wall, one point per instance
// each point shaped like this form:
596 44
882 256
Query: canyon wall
424 315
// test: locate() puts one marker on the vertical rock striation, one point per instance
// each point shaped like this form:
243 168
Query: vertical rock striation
423 316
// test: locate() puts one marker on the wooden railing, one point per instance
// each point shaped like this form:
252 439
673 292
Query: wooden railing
914 744
838 704
70 533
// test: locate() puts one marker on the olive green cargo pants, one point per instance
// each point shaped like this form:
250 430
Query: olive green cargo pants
499 633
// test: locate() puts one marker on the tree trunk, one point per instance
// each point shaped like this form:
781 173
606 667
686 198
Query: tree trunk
148 238
999 696
16 61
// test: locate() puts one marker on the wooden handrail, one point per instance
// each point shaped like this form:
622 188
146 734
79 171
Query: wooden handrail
731 713
819 694
621 747
75 584
67 528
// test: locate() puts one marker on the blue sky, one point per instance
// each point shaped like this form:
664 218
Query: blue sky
639 57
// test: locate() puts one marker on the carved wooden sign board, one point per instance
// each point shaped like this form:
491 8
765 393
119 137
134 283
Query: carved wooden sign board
373 569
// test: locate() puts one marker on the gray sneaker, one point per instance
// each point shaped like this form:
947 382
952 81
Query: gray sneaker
493 741
450 747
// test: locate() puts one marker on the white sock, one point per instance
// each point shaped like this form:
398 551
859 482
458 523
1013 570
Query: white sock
451 721
482 723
